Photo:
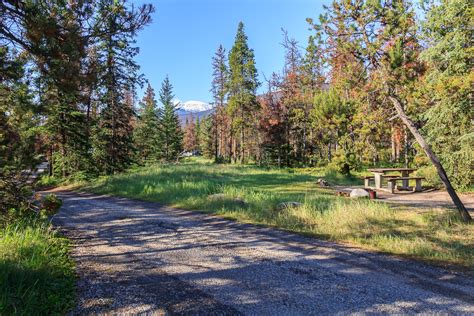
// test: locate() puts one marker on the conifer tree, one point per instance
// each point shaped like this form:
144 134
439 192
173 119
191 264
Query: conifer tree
19 121
242 88
198 132
114 142
190 138
219 93
147 133
172 135
207 137
448 86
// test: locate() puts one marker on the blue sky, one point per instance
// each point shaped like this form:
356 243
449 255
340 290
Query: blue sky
185 34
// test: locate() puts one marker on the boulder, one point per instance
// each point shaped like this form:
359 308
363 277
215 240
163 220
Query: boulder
359 193
322 182
285 205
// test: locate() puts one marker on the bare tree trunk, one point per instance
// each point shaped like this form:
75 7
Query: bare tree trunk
405 138
434 159
50 161
393 158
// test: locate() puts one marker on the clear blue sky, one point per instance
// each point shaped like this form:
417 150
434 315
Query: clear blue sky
185 34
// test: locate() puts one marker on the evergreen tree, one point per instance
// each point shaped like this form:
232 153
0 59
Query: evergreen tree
198 132
207 137
242 88
448 87
172 136
147 133
273 126
114 142
293 102
190 142
19 121
219 93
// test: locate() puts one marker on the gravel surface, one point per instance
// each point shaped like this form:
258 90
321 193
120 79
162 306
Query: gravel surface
142 257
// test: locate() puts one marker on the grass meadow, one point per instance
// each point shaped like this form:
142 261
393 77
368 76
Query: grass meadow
36 274
435 236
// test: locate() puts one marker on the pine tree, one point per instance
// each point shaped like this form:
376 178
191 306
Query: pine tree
190 142
292 99
273 126
172 136
147 133
19 121
242 88
114 141
198 132
207 137
448 85
219 93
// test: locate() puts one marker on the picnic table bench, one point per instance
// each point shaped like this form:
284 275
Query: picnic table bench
392 183
403 175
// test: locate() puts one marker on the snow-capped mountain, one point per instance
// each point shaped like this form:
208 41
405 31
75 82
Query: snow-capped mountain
194 106
192 110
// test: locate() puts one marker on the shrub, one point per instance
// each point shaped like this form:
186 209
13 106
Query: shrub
50 204
431 176
344 162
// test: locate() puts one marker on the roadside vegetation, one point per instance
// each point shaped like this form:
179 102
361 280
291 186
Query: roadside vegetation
36 274
253 194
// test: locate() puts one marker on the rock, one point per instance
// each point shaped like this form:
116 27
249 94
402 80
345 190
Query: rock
359 193
285 205
322 182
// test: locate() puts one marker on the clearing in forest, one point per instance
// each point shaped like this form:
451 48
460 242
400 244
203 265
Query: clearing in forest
261 195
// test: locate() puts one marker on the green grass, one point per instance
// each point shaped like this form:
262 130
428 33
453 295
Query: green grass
36 274
434 236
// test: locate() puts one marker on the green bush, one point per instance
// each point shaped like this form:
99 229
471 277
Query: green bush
50 204
344 162
431 176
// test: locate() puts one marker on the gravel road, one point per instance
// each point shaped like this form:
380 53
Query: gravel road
142 257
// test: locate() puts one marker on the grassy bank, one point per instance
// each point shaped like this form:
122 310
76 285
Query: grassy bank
431 236
36 274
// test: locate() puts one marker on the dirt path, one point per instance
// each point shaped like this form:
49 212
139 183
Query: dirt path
423 200
135 256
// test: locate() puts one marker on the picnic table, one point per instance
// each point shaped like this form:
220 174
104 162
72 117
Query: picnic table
402 174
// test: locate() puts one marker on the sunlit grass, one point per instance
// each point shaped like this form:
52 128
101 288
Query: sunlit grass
432 236
36 275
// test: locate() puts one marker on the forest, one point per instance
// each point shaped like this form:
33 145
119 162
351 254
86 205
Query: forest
378 83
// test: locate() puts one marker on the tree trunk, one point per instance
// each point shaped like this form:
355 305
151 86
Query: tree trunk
434 159
406 146
393 158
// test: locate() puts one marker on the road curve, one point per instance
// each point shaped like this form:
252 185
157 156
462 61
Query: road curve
143 257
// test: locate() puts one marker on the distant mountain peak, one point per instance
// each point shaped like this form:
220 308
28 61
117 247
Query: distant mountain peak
193 106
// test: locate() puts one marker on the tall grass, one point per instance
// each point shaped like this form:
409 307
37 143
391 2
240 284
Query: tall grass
36 274
433 236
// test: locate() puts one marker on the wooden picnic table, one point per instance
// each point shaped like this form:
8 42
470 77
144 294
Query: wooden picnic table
380 173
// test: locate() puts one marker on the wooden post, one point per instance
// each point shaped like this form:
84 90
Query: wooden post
417 185
431 155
